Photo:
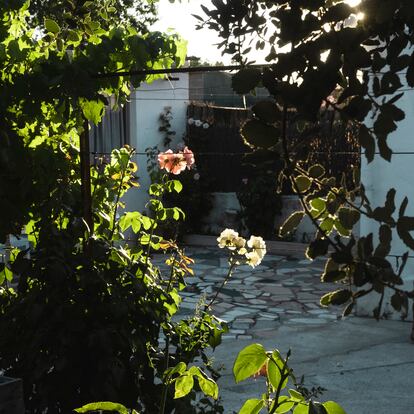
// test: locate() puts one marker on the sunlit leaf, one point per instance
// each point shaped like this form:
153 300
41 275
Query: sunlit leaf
252 406
249 361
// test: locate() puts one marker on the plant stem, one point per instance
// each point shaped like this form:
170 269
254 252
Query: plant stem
165 389
226 279
118 196
283 377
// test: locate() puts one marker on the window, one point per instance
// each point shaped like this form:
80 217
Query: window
112 132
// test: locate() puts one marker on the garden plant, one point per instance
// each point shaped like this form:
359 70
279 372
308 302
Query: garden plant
90 318
356 60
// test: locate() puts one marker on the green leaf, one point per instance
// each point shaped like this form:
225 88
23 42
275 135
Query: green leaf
338 297
333 276
177 186
316 248
8 274
131 219
258 134
249 361
51 26
318 204
183 385
178 369
301 408
317 171
348 217
296 396
252 406
246 80
316 408
303 183
327 224
208 386
104 406
274 370
333 408
291 223
92 110
285 405
341 229
267 112
73 36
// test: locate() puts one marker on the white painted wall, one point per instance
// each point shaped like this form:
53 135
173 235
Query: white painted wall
378 177
147 103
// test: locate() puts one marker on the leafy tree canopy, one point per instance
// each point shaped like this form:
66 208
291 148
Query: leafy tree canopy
138 13
357 62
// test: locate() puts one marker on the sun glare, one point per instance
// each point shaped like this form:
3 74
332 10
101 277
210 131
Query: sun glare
353 3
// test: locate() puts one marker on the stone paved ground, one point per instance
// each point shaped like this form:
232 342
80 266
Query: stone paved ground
365 365
282 290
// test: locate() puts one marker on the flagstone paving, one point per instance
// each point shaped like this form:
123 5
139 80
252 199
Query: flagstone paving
281 291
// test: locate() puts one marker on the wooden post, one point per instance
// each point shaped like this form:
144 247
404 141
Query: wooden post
86 176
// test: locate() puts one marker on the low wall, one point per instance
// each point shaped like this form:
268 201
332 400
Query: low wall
226 207
11 396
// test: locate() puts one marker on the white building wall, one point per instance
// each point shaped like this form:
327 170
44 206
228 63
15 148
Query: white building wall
147 103
378 177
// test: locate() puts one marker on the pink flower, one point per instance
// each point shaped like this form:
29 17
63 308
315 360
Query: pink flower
173 163
189 157
176 163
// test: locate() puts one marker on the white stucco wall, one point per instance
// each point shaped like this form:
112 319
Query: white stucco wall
147 103
378 177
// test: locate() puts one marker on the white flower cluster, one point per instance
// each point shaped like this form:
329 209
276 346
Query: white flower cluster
253 254
198 123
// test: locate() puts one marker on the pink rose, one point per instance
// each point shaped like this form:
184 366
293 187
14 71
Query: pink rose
176 163
189 157
172 163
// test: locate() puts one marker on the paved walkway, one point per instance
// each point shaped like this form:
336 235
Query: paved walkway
281 290
365 365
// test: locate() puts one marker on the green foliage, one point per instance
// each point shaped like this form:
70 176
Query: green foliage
254 361
351 68
104 406
68 14
84 320
291 223
246 80
249 361
259 203
257 134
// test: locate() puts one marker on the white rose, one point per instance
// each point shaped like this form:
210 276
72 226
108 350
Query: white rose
253 259
206 125
227 238
198 123
258 245
190 121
